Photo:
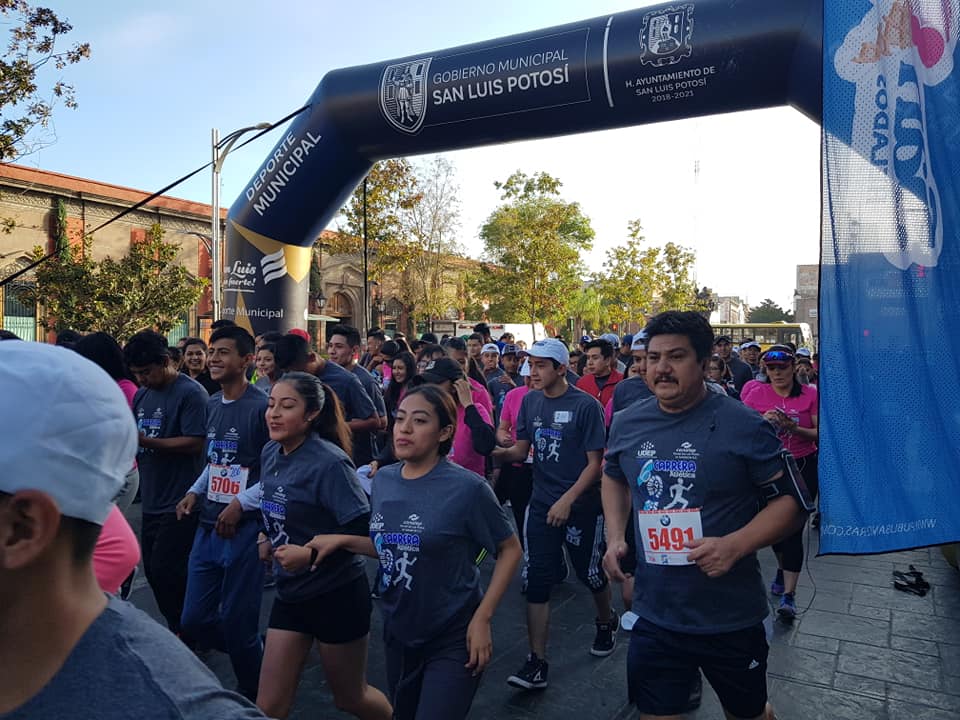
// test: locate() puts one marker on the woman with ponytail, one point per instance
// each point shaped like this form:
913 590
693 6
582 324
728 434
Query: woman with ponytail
309 489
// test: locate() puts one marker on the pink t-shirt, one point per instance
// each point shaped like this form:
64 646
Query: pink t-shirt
801 409
129 390
511 410
116 553
481 398
462 452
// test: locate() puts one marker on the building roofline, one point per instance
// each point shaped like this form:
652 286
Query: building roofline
76 186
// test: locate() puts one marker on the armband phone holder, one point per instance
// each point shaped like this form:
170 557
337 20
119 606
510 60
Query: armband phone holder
792 472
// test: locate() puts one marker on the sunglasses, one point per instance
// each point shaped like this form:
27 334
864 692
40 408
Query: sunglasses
777 366
778 356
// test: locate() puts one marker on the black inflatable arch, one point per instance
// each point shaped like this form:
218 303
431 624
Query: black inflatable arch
663 62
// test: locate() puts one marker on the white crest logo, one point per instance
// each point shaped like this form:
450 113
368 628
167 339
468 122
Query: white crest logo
666 36
274 266
403 94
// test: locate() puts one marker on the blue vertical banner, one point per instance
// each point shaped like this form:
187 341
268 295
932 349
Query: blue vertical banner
890 277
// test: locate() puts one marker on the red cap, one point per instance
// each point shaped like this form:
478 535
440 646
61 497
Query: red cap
301 333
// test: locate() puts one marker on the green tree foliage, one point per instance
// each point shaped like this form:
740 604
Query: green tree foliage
588 311
767 312
638 282
533 242
148 287
629 281
26 100
392 191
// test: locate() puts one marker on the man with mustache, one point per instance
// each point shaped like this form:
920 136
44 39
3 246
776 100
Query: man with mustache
696 467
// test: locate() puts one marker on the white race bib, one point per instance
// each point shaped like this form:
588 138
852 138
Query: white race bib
663 533
226 482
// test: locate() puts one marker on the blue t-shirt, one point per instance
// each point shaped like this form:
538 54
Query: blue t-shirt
127 666
357 405
178 410
364 446
428 532
236 434
718 457
628 391
311 491
561 431
498 390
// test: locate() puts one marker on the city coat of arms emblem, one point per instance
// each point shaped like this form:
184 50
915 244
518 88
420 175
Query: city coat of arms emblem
666 37
403 94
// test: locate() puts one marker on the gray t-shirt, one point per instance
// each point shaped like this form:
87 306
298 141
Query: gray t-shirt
127 667
628 391
179 410
718 457
357 405
311 491
236 434
561 431
364 446
428 532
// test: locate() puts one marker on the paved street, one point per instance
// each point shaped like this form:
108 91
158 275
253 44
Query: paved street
863 650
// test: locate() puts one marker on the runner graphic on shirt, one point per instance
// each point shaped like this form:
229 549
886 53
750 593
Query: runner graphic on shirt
676 492
402 564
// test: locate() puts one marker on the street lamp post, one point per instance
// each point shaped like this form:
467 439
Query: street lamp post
220 150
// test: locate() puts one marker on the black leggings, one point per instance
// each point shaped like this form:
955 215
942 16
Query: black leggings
791 549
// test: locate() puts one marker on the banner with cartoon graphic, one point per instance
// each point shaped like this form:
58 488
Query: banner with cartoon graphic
663 62
889 322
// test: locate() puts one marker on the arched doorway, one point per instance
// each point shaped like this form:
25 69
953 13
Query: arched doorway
341 307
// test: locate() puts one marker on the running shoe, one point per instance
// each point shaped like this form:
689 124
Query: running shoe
776 587
606 637
532 676
788 607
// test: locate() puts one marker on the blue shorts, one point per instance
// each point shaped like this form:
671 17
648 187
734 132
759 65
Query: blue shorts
662 668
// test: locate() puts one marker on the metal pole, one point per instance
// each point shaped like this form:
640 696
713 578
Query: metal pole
366 278
215 260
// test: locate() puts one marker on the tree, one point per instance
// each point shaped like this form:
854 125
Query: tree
769 312
675 283
392 190
588 311
629 280
32 48
431 224
533 243
148 287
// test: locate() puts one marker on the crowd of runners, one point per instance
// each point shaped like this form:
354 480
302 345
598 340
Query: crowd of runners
659 463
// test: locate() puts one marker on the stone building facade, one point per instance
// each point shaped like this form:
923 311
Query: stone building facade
28 200
29 197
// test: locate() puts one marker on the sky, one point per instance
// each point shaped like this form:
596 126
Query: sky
161 76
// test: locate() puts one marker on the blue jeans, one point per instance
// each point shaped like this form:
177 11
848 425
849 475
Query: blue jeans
222 605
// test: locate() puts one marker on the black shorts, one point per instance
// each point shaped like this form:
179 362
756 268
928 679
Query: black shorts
662 669
336 617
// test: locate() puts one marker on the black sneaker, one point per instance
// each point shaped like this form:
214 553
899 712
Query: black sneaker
606 639
532 676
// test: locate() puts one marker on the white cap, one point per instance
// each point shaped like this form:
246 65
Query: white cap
66 429
803 352
490 347
525 368
611 338
639 341
751 344
550 348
